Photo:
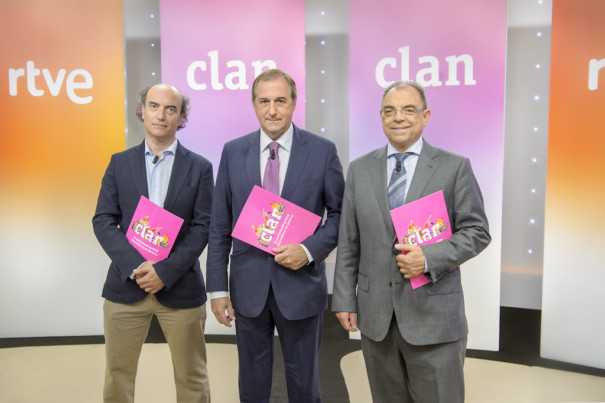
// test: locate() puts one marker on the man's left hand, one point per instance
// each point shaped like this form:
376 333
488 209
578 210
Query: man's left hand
411 262
148 279
292 256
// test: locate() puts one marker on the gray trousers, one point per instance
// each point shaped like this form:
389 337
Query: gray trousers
402 372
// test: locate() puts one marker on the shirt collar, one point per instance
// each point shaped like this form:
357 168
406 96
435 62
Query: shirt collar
414 148
284 141
170 150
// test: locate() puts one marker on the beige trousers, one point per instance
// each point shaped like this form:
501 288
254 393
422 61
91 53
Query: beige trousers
126 327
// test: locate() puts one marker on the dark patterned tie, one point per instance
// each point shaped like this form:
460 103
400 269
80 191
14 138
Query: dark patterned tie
271 177
398 182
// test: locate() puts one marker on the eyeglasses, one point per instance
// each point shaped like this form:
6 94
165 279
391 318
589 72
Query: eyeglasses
407 111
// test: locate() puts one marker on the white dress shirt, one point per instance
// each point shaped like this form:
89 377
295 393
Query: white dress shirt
283 152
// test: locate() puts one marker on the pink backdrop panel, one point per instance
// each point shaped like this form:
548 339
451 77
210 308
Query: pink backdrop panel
392 40
457 51
213 50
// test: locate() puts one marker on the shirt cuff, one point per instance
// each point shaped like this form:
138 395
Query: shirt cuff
217 294
309 257
134 276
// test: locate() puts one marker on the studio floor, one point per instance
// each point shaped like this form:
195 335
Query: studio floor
71 369
74 374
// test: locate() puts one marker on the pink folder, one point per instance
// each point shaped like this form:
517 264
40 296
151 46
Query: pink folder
268 221
153 230
422 222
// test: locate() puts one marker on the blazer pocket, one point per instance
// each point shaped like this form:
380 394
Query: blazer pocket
448 284
363 282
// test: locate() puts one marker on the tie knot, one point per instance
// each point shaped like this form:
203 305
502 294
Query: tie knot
274 145
401 156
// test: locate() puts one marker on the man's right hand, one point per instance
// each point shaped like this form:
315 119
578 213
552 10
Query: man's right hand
223 310
348 320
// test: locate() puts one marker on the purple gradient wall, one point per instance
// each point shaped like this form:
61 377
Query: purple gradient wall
457 51
211 52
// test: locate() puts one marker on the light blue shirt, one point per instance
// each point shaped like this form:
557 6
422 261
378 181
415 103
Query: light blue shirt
158 174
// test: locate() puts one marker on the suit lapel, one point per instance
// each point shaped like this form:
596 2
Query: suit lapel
180 170
298 158
425 168
378 175
137 167
251 158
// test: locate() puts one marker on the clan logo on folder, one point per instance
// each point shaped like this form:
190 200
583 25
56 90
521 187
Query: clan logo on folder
153 230
268 221
431 211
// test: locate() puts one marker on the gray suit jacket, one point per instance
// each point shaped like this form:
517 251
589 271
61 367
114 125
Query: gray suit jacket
367 279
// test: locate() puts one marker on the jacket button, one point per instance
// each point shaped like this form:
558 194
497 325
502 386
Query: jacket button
390 284
268 260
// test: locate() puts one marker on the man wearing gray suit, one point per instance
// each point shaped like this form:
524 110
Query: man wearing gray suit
413 341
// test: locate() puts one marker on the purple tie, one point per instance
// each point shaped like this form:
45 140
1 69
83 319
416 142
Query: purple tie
271 178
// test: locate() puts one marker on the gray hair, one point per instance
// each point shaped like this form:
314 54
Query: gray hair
402 84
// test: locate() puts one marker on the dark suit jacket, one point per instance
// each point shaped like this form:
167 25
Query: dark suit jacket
189 196
367 279
315 182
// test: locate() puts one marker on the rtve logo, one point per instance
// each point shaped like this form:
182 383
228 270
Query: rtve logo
78 79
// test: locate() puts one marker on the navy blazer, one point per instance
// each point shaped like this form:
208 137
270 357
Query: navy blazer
315 182
189 196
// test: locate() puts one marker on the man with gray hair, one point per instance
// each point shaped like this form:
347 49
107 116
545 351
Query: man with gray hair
288 291
413 340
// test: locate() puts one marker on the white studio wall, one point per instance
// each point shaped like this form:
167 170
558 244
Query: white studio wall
525 149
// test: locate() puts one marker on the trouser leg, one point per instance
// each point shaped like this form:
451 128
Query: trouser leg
255 344
126 327
184 332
